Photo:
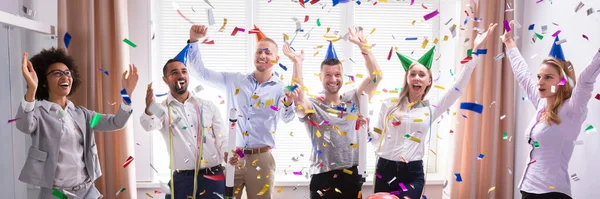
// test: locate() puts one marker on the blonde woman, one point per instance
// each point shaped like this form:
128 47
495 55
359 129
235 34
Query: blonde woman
561 108
404 124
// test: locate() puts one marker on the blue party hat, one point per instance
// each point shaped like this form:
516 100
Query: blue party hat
182 56
557 51
330 52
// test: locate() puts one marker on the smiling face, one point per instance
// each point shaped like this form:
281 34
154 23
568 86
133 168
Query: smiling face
331 77
548 77
418 80
59 80
266 53
176 77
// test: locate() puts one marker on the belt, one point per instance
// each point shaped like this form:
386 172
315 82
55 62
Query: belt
210 170
81 186
256 150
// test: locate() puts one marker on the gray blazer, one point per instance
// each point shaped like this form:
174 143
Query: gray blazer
44 126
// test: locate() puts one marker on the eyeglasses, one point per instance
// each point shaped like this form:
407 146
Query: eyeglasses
60 73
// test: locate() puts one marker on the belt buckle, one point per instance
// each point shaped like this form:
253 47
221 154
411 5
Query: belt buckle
76 188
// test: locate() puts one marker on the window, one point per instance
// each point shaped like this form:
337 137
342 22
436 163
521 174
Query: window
274 18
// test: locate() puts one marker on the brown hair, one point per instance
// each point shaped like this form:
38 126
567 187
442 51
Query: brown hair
563 92
405 89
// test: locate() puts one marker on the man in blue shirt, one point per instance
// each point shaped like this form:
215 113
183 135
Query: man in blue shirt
261 101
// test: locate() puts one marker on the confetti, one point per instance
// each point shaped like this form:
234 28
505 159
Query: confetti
348 171
590 11
491 189
574 177
579 6
58 194
12 120
223 26
125 96
120 191
403 187
590 129
431 15
95 120
128 161
319 22
598 96
150 196
505 136
480 156
585 37
458 178
478 108
218 177
556 33
127 41
67 39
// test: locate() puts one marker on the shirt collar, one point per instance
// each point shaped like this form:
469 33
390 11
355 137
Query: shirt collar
171 99
45 104
273 78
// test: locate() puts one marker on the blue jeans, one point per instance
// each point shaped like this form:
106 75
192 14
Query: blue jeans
410 174
184 184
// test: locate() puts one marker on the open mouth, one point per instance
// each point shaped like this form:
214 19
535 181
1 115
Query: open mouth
180 83
64 85
333 85
262 61
417 86
541 89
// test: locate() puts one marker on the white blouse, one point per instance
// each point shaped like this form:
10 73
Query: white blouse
407 131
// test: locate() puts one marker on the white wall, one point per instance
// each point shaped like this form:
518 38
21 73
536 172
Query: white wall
579 51
14 144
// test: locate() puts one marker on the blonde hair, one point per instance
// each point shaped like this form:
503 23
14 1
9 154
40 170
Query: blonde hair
405 89
563 92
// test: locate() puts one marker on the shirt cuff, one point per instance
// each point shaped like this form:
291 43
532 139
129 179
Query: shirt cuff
27 106
125 107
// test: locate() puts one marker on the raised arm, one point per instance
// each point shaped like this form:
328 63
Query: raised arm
206 75
299 98
148 120
368 85
27 122
582 93
461 83
520 69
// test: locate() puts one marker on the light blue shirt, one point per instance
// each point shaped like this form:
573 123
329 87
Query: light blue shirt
256 125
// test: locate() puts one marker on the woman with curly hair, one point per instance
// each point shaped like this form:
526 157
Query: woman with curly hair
63 158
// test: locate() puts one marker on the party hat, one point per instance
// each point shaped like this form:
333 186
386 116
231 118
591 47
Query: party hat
557 51
182 56
427 59
406 61
330 52
259 34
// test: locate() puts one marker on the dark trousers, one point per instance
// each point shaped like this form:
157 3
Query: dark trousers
551 195
324 185
184 184
410 174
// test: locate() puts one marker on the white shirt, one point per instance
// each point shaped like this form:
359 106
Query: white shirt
70 168
549 172
397 145
186 126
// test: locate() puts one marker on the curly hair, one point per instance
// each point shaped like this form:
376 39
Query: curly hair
41 63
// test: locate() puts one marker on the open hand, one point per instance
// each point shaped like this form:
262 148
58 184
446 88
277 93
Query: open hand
480 39
508 36
28 72
295 57
198 32
357 38
130 79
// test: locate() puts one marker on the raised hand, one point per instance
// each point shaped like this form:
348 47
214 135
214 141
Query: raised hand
295 57
291 96
30 77
149 98
28 72
480 39
130 79
198 32
357 38
507 37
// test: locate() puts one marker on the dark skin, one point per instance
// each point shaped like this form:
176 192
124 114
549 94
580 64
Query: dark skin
177 78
